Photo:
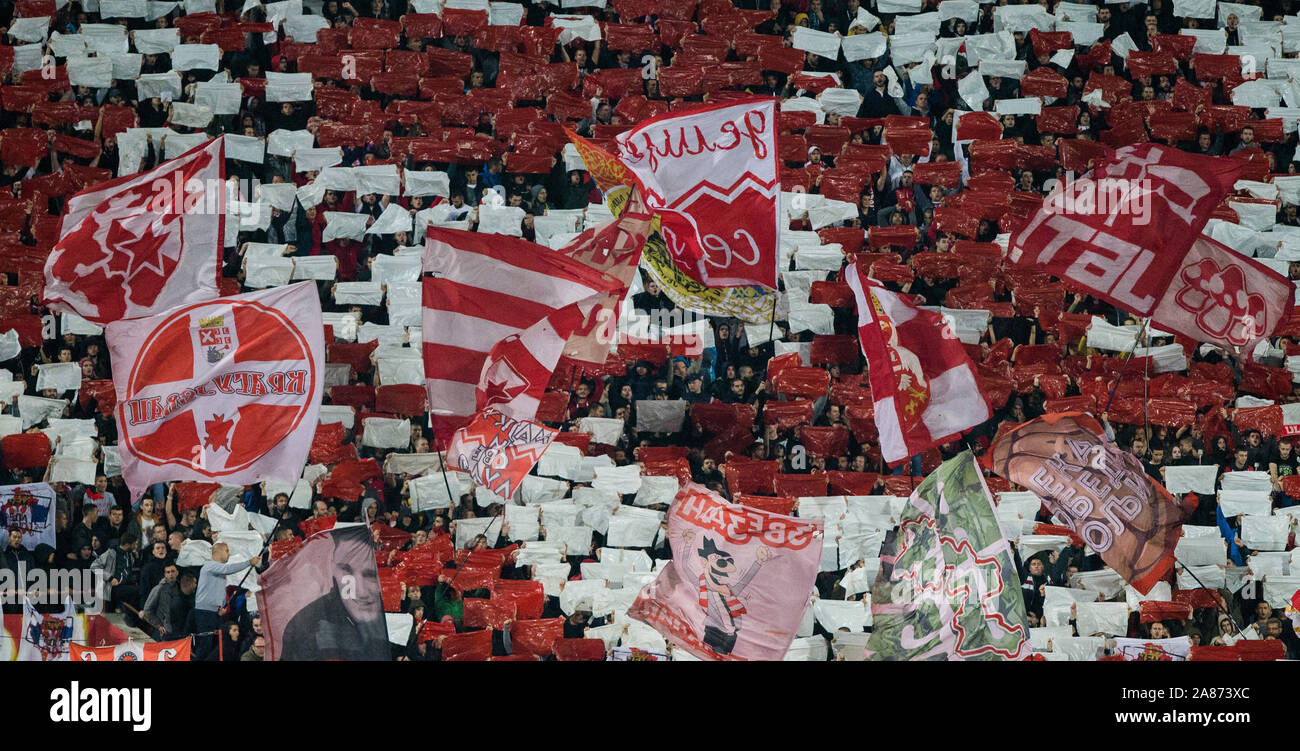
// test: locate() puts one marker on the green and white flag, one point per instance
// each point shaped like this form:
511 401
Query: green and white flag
947 587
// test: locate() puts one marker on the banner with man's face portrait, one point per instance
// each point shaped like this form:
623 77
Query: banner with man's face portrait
1101 492
324 601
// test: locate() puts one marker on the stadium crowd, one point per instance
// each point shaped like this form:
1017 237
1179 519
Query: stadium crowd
437 89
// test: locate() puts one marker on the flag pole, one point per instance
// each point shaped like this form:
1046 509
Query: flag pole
442 463
1131 352
486 529
771 326
265 547
1221 605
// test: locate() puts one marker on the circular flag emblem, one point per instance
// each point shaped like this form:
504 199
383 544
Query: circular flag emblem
216 386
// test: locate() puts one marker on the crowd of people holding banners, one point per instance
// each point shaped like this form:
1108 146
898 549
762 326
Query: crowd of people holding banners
808 187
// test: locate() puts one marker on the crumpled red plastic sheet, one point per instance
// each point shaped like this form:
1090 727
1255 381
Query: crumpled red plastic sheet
978 126
944 174
1155 610
528 596
829 349
749 476
1170 411
327 445
468 646
824 441
194 494
390 588
862 421
403 399
1071 404
840 482
834 294
719 418
802 381
431 630
284 548
316 524
884 237
679 468
536 637
801 486
901 485
575 650
484 613
474 576
1178 45
390 538
355 354
1263 381
776 504
1267 420
1261 651
786 415
1214 654
1029 354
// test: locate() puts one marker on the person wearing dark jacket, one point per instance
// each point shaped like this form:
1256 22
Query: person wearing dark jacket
15 557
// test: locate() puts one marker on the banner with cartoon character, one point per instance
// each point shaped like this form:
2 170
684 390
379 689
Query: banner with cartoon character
946 587
497 451
739 580
30 510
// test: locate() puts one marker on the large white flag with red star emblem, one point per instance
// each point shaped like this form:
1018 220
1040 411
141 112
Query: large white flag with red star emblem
497 313
144 243
222 391
497 451
922 380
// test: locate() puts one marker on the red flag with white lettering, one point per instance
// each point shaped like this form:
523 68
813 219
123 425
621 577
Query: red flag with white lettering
222 391
922 380
1122 233
141 244
497 451
711 175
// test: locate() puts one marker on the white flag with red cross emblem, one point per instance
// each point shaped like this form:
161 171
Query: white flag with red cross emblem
497 313
222 391
141 244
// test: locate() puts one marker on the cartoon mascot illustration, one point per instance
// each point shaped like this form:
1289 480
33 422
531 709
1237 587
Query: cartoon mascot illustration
720 593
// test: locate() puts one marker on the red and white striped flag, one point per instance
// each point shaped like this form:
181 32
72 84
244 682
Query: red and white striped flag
496 317
922 380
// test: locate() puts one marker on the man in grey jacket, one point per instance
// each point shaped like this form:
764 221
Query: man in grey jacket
210 599
164 606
